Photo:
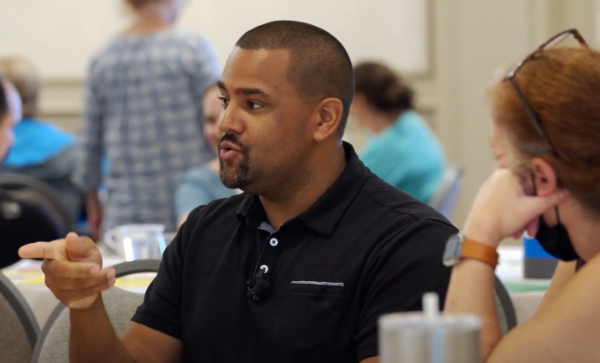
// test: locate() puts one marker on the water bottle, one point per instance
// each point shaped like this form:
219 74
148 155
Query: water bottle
429 337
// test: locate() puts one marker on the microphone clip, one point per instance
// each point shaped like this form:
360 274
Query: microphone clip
259 288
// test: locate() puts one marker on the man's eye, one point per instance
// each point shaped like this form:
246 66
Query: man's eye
254 105
224 102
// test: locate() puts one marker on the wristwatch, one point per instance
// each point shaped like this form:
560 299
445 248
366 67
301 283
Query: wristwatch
459 248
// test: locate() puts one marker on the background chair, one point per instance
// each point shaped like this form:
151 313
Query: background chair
507 317
18 328
36 192
444 200
53 343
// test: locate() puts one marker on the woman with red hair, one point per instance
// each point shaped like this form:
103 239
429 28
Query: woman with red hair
546 141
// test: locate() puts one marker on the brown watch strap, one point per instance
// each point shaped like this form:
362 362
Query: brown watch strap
479 251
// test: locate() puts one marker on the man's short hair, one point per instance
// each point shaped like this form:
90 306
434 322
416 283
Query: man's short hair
320 66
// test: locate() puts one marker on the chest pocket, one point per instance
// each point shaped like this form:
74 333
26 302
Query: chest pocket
311 316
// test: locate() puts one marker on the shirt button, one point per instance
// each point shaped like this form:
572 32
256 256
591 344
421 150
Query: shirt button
274 242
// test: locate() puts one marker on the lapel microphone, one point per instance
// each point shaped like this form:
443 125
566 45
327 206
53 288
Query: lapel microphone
259 288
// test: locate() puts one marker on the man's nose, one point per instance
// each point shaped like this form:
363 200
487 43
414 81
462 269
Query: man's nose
231 121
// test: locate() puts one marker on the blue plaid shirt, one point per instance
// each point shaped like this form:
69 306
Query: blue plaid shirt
143 111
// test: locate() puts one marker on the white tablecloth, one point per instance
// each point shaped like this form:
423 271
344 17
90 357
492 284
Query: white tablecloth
526 294
26 275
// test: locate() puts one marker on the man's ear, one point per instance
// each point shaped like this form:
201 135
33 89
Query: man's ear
544 177
328 118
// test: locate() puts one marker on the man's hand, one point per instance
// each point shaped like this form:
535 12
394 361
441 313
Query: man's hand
73 269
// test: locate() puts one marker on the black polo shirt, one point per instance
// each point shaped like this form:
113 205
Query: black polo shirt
361 250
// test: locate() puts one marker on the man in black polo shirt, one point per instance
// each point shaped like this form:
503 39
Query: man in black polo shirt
297 269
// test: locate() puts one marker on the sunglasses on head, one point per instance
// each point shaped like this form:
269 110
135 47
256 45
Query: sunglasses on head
512 73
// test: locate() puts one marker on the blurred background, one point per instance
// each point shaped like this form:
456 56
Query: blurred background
446 49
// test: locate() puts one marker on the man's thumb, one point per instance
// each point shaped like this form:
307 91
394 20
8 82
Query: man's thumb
79 247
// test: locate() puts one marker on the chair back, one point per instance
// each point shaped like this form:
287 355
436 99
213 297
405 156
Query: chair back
446 197
18 327
53 344
36 192
507 317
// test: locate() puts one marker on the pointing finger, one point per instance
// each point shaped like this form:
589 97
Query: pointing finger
43 250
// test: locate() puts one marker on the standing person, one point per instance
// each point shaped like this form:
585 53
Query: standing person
402 149
20 223
143 112
201 185
41 150
545 129
297 269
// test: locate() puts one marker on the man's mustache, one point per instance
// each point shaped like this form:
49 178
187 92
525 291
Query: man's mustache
231 138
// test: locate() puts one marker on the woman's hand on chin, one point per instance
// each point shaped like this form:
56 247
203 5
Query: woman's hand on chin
503 209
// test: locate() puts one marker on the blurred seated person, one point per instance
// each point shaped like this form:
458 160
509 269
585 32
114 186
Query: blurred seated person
545 116
201 185
41 150
20 223
402 149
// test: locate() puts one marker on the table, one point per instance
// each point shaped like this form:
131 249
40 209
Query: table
526 294
29 279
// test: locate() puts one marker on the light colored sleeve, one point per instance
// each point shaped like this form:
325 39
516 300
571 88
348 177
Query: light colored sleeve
192 192
206 66
87 173
380 158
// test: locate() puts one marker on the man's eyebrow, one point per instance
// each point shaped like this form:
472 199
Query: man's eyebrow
245 90
252 92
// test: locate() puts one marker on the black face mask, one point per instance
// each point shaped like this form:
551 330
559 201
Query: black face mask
555 240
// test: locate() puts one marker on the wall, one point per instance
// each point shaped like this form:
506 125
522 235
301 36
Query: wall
472 38
62 34
62 43
469 39
59 34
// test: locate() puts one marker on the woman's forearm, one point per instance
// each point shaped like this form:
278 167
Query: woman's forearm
471 291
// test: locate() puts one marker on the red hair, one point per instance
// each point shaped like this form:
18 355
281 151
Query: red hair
562 85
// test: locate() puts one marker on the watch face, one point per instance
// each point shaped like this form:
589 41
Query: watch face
453 249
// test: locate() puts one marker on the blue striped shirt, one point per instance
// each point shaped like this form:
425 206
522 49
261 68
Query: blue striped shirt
143 111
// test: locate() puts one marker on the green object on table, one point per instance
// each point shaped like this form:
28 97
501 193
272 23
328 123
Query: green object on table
520 287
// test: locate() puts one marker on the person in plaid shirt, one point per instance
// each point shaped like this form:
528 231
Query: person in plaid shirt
143 112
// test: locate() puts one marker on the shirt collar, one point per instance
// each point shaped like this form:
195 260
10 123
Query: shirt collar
325 213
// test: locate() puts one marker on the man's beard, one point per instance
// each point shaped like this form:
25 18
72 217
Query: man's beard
241 176
238 178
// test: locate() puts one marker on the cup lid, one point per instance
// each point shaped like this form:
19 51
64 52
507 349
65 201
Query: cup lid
419 322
